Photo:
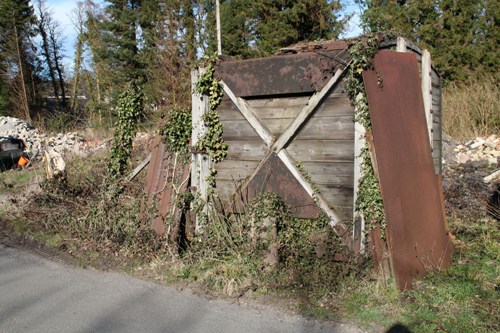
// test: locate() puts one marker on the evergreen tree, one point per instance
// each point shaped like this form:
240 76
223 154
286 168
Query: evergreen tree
251 28
462 35
16 52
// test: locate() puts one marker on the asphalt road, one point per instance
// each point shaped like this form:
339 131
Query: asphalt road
40 295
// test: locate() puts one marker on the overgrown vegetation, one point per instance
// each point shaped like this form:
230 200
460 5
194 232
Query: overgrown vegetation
257 249
369 201
212 141
129 109
463 298
471 109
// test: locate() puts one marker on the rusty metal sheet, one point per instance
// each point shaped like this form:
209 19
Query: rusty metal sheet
416 233
274 176
287 74
159 188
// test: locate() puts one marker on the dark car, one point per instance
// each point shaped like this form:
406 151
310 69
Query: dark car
11 150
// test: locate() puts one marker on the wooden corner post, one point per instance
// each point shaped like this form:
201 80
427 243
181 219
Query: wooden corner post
200 162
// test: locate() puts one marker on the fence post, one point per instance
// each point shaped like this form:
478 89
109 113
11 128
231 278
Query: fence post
200 162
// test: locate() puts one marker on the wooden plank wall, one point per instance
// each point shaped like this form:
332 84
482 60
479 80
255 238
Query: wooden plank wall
324 146
437 136
246 148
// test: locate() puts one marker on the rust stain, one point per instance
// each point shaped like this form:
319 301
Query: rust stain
159 188
301 73
418 240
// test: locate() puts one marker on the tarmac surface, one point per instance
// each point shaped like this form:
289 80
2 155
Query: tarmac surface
41 295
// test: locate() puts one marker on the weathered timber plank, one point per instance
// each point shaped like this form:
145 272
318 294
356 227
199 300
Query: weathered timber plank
227 187
239 128
278 102
250 116
341 201
235 169
427 91
228 111
290 164
327 128
321 150
335 106
331 174
246 150
307 111
277 125
401 44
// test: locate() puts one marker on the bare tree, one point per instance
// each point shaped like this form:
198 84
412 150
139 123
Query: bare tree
79 18
51 45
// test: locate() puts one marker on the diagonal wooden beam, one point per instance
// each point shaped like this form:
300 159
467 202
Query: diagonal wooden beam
311 106
285 157
250 116
320 200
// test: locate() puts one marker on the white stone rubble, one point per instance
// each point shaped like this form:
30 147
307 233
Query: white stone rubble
36 141
480 150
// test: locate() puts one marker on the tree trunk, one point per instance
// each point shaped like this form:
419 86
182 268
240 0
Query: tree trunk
24 97
76 74
48 60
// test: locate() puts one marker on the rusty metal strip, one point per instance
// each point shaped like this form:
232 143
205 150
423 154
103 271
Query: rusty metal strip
412 202
165 179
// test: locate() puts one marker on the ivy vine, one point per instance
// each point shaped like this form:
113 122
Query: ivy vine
176 131
369 201
212 140
129 109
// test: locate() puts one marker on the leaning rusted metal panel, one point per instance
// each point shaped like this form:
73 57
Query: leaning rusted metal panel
416 233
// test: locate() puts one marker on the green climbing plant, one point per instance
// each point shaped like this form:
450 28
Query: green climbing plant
369 200
212 141
176 131
129 109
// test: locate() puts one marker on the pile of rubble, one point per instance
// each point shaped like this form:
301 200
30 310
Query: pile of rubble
37 142
479 151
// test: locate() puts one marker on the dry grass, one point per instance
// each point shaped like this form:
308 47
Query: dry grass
471 109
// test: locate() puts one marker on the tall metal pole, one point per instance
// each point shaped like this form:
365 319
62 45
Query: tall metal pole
217 17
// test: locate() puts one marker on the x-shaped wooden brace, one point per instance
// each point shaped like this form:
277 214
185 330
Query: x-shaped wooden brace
278 146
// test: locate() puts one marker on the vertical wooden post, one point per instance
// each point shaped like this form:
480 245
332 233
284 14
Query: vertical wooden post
359 222
217 19
200 163
427 91
400 44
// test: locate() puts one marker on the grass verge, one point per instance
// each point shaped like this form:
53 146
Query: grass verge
234 257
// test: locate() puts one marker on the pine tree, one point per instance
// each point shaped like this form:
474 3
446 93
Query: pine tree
261 27
462 35
16 31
